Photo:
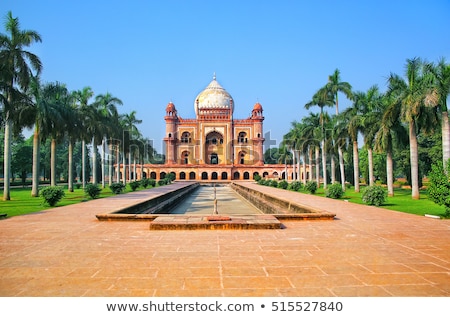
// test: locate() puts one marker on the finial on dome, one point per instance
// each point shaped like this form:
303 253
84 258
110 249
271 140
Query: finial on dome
214 76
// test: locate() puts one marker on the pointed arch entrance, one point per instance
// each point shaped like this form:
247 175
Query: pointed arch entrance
214 148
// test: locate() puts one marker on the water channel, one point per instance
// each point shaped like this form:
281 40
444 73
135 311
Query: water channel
201 201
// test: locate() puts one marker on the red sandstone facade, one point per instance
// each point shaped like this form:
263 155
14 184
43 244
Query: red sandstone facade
214 145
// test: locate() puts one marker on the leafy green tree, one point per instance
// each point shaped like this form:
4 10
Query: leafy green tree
439 188
21 159
16 65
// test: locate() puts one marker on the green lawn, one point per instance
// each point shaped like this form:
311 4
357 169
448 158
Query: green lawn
22 203
400 202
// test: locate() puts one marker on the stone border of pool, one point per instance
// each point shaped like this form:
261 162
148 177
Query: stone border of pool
274 208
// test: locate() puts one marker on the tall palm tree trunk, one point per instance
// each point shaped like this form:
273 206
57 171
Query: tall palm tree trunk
70 167
124 169
414 157
53 162
318 166
445 138
390 173
36 161
134 168
94 162
333 169
370 159
341 167
356 166
83 163
103 162
129 167
118 164
304 169
294 168
310 161
324 164
7 159
110 162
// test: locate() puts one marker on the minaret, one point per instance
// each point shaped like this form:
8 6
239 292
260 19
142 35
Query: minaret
258 139
170 139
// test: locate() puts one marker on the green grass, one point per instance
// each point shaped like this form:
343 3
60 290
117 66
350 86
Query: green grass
22 203
401 201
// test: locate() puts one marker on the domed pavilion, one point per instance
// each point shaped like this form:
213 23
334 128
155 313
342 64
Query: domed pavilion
214 145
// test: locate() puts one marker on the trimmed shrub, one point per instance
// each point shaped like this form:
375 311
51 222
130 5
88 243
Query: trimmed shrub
295 186
151 182
374 195
52 195
117 188
283 184
334 191
256 177
164 181
311 187
93 190
439 187
273 183
148 182
144 182
135 185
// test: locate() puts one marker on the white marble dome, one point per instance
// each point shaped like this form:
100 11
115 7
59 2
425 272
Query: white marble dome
213 97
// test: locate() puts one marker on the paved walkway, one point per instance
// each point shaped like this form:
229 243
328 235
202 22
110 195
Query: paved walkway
366 251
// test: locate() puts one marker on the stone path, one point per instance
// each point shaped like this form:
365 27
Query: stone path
366 251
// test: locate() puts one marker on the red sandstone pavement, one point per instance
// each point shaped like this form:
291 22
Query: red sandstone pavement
366 251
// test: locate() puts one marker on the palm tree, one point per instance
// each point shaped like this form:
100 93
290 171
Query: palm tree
293 140
412 93
46 113
16 65
441 87
73 126
390 131
340 137
59 100
107 106
311 140
334 87
370 109
285 156
82 98
352 119
322 98
128 122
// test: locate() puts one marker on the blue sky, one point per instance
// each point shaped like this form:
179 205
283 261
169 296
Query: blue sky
278 53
